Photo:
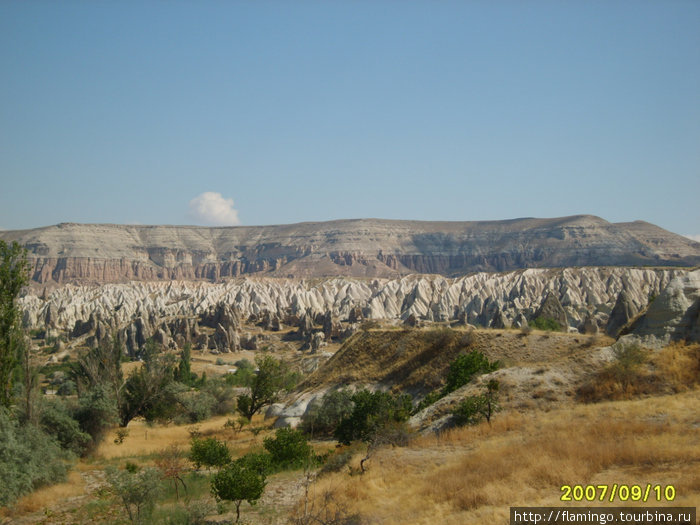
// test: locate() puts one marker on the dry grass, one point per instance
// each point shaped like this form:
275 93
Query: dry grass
675 368
145 439
472 475
416 360
679 365
72 488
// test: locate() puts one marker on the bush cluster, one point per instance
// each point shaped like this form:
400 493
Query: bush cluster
29 458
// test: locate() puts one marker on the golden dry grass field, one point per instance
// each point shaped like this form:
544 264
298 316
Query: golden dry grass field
474 474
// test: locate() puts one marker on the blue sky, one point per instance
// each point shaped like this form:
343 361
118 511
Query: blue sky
277 112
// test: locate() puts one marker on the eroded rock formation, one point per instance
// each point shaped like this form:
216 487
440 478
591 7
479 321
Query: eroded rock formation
209 315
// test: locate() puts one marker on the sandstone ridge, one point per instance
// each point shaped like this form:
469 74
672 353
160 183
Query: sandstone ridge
101 253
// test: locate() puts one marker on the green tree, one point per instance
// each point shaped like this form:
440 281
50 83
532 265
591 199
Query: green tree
100 366
209 452
238 482
273 378
96 413
243 376
13 276
145 391
56 419
184 373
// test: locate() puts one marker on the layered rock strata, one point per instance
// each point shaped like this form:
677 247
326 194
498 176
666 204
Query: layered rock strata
99 253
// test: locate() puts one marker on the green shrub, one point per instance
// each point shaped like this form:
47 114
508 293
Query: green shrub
194 407
222 394
243 376
258 462
323 419
468 412
465 367
96 413
56 420
289 449
67 388
209 452
372 411
29 459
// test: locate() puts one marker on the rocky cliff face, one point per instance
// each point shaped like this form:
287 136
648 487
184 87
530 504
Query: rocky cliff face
88 253
210 315
673 316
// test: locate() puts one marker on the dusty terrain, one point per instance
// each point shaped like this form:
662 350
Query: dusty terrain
463 475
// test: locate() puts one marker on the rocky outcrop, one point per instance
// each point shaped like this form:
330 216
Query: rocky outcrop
673 316
552 309
98 253
210 315
622 313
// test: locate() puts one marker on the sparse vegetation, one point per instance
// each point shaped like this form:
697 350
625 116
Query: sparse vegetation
474 409
137 489
488 467
546 323
636 371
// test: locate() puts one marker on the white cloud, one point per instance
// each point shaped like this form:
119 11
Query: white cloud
695 237
212 209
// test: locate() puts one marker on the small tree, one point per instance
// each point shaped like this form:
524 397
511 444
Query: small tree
475 408
137 491
209 452
628 360
145 391
238 483
100 366
184 373
273 378
172 465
